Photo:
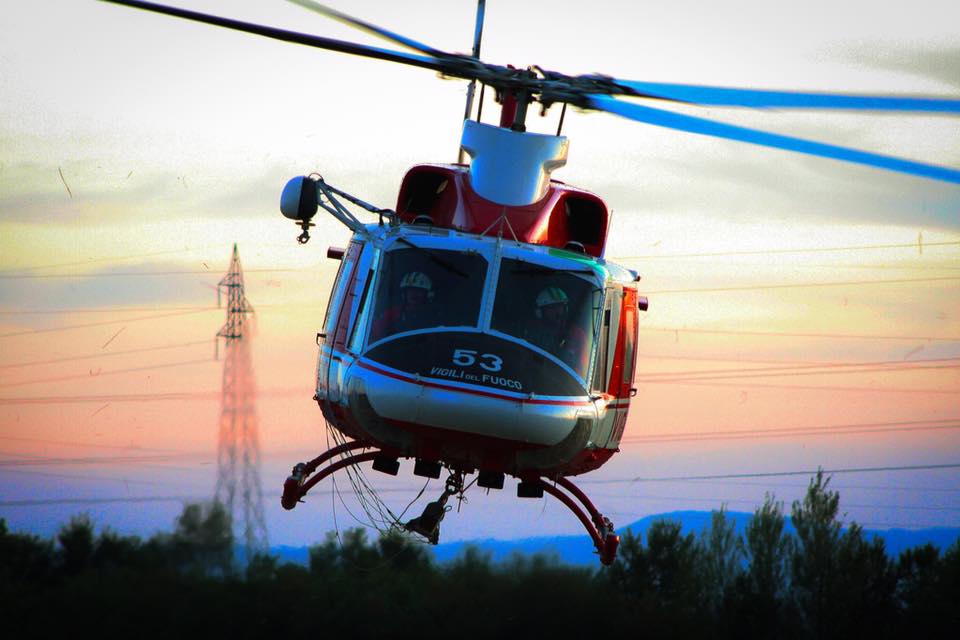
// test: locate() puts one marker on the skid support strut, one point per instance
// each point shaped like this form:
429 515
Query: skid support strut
601 530
296 485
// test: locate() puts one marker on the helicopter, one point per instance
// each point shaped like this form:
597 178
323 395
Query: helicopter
477 326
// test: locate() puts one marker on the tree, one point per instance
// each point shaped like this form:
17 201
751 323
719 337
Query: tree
933 607
24 559
866 585
721 551
324 558
401 554
762 588
262 568
843 584
674 562
815 555
203 540
113 551
767 550
77 545
630 574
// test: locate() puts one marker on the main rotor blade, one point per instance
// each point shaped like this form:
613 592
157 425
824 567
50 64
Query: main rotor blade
370 28
706 127
761 98
293 36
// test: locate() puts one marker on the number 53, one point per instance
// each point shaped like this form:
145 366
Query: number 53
468 357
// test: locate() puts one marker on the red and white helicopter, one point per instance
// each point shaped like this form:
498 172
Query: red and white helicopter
477 327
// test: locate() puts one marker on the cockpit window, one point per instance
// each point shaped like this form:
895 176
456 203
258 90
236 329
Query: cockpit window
423 288
551 309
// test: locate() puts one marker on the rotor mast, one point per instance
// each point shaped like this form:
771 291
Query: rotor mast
477 36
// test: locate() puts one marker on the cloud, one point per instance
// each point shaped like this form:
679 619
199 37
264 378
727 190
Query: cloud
940 65
154 284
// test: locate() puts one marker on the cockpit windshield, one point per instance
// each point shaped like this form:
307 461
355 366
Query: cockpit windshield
551 309
423 288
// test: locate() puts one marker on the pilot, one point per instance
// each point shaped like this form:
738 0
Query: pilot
553 330
415 311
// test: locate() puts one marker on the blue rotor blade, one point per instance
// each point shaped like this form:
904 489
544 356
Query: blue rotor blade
760 98
706 127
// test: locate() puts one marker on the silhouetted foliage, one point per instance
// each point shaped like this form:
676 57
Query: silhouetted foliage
721 560
825 581
76 544
203 540
816 556
762 606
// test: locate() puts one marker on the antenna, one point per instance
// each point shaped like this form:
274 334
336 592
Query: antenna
477 36
238 441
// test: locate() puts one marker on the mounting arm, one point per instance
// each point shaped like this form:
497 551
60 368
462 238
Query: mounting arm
296 485
601 530
303 195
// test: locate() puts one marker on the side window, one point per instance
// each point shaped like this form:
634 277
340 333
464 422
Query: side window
344 295
336 295
356 338
629 337
603 342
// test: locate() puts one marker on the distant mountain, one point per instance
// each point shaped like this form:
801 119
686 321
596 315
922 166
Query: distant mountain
578 549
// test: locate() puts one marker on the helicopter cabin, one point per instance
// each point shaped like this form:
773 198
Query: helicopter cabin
502 355
482 326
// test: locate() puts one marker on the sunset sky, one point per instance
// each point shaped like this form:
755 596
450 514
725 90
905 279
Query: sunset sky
803 312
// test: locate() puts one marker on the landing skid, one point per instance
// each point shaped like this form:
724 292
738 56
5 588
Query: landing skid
305 476
600 528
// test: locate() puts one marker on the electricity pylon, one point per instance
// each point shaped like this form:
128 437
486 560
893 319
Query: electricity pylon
238 455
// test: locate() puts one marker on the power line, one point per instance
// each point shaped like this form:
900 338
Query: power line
802 285
105 322
285 392
799 387
841 485
778 372
881 267
85 445
775 474
859 425
102 354
786 432
798 363
36 312
788 334
131 397
137 274
47 502
84 263
99 460
867 524
892 364
837 266
90 376
910 245
846 505
77 476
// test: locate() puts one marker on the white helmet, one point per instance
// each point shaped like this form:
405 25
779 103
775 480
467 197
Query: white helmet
417 280
550 295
